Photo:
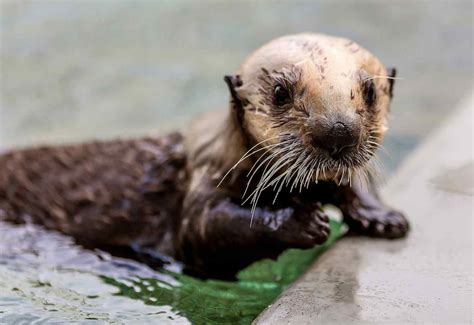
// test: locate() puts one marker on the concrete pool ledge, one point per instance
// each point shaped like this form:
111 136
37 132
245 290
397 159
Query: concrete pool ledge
425 278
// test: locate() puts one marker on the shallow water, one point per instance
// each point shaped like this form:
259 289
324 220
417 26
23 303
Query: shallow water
46 278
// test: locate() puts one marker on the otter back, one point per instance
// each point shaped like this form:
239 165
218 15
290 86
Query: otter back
102 193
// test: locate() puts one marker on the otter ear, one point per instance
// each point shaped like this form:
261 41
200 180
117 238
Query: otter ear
234 82
391 73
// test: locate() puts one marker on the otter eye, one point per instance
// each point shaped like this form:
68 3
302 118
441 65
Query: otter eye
370 95
282 95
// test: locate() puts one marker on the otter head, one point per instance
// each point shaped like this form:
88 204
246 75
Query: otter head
319 104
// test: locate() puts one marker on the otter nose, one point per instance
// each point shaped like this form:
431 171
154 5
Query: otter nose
336 139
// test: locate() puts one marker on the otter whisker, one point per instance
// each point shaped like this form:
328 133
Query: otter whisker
365 178
245 156
350 177
282 143
344 180
258 164
305 167
338 177
265 173
375 168
304 180
338 168
280 151
287 175
317 174
284 159
256 193
342 176
263 183
307 176
283 178
382 77
379 146
311 172
291 169
372 142
295 170
324 171
301 170
362 178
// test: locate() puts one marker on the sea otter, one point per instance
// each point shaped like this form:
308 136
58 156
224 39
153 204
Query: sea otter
307 113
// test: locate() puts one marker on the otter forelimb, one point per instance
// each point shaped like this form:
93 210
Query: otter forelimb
366 214
219 236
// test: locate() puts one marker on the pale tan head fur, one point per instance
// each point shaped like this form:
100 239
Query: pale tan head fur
289 94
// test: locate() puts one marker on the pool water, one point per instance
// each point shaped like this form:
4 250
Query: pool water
46 278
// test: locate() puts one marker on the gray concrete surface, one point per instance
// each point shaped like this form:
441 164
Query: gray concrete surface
425 278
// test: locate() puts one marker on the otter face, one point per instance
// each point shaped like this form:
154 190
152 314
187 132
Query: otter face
319 104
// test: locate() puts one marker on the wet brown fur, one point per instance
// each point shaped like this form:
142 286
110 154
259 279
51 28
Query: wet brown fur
104 193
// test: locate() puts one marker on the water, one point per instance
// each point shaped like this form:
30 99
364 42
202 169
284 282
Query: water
46 278
73 71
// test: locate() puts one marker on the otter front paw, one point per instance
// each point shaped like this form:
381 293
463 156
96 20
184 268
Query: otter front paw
303 229
376 221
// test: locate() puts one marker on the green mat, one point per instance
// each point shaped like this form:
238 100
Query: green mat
228 302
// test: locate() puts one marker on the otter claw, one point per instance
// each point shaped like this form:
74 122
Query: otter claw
304 230
377 221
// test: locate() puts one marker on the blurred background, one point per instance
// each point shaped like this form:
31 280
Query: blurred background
78 70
